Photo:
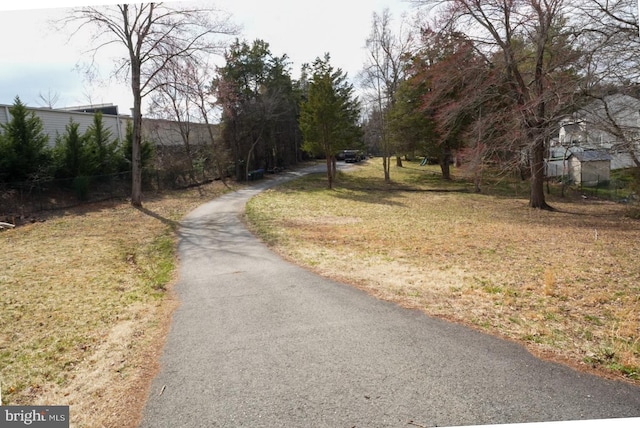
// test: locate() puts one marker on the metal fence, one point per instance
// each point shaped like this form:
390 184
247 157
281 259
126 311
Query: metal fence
614 190
25 199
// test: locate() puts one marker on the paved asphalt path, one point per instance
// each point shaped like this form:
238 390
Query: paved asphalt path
259 342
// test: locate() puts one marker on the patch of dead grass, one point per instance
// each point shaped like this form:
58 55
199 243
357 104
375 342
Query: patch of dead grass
84 306
564 283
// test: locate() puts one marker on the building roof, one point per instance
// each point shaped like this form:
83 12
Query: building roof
94 108
591 156
106 109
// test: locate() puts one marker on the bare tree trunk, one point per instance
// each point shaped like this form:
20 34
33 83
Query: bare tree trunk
216 154
136 158
187 149
444 168
253 146
537 199
398 161
329 172
214 146
445 162
386 161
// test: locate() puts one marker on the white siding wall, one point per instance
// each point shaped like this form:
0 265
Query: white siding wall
168 133
161 132
55 121
622 160
4 113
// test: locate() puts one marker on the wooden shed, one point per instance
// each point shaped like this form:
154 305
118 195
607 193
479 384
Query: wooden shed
590 167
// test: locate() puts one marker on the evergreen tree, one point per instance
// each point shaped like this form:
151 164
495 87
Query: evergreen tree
259 107
102 151
146 150
329 115
23 145
70 153
6 160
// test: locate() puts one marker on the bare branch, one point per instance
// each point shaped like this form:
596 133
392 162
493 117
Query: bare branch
154 36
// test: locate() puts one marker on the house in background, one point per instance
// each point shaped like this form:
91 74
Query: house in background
609 125
556 162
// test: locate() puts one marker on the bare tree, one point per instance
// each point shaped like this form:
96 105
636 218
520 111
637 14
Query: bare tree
187 98
612 32
154 36
173 102
615 121
200 90
382 75
533 45
49 100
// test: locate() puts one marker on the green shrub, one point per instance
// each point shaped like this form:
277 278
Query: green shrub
23 144
81 185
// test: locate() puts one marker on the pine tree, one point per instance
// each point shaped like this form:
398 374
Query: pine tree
102 156
146 150
329 115
23 144
70 154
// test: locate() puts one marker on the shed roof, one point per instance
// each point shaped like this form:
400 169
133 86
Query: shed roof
591 156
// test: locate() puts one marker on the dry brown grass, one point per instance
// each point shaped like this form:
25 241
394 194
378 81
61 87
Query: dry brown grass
564 283
84 306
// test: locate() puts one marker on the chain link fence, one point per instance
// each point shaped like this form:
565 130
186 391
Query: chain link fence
20 201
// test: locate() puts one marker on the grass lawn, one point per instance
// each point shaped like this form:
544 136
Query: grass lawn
84 305
566 284
85 297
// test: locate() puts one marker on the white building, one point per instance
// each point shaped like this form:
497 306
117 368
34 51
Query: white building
163 133
54 121
610 124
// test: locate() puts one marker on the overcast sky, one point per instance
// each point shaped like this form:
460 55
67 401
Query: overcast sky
35 60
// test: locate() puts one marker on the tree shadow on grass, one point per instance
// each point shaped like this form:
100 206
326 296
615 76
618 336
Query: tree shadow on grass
375 190
388 196
171 223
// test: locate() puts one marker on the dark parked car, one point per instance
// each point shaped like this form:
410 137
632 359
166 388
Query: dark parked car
352 156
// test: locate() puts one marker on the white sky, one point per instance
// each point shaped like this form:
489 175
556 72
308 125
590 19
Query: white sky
36 60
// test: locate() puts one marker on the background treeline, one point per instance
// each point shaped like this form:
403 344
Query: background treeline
489 82
481 84
268 119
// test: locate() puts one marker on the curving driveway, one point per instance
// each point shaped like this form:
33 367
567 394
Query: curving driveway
259 342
